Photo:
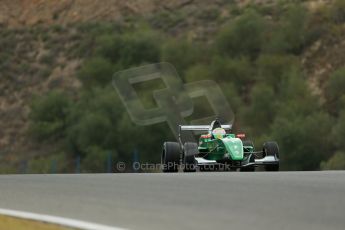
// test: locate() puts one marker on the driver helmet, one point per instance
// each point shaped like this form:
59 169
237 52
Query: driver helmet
218 133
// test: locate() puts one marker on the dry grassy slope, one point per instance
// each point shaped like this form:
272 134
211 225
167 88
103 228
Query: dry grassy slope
39 55
17 13
38 64
324 57
35 65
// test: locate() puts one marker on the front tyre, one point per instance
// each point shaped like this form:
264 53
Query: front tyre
170 157
190 150
271 148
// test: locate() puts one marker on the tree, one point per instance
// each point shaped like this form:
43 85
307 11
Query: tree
129 49
289 34
338 11
244 36
262 107
338 132
336 162
303 141
335 93
272 68
300 127
238 71
182 54
48 115
96 71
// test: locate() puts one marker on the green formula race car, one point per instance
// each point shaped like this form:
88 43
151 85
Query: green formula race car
217 150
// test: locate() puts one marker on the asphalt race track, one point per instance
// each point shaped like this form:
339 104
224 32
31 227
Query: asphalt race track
230 200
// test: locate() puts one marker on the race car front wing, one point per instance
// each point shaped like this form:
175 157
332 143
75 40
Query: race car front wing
267 160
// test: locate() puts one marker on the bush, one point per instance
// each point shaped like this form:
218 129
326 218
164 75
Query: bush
334 91
338 11
140 47
197 73
238 71
295 97
230 92
272 68
49 114
47 59
96 71
93 120
129 49
302 132
290 34
303 141
95 160
53 163
244 36
336 162
92 130
263 107
339 131
182 54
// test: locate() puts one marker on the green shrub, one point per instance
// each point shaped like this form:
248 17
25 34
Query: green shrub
92 130
289 35
299 126
52 163
336 162
338 132
129 49
295 96
303 140
48 115
47 59
93 120
338 11
238 71
262 107
96 71
181 53
244 36
197 73
231 94
44 72
272 68
334 91
95 160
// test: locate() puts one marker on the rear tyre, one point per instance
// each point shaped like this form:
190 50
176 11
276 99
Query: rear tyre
271 149
170 157
190 150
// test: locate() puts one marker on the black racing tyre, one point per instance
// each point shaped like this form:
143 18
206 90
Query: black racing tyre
189 162
271 148
170 157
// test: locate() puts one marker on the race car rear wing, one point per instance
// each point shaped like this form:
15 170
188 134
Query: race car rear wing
189 137
201 127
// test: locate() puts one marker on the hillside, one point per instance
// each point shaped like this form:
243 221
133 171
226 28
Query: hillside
44 44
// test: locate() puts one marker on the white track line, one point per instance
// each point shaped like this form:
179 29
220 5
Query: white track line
57 220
